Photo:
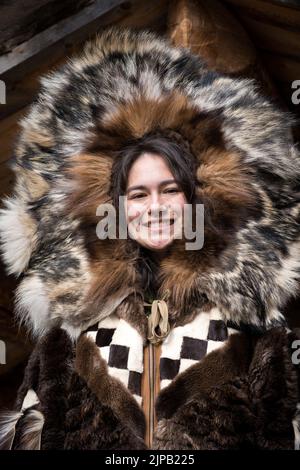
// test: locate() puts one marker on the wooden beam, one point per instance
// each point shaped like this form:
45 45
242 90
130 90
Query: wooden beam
23 23
9 128
22 81
263 10
137 14
282 67
283 39
286 3
55 33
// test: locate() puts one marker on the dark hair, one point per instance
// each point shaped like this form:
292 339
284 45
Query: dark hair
183 167
180 162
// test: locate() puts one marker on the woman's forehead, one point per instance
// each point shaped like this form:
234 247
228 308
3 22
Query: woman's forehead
149 169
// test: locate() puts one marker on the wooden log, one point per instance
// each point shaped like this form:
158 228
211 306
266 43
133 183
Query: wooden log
9 129
278 14
56 32
22 80
273 36
7 179
21 23
209 30
282 67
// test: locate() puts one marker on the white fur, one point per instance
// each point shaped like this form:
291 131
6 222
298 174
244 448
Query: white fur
296 426
73 331
8 422
289 274
31 399
17 237
274 314
125 335
32 305
34 424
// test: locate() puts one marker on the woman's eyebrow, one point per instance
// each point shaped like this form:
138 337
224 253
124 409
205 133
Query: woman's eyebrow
162 183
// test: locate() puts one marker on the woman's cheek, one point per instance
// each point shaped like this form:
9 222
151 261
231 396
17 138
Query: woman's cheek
134 210
181 200
175 200
176 204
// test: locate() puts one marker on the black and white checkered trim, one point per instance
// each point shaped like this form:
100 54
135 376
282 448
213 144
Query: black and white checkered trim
188 344
121 346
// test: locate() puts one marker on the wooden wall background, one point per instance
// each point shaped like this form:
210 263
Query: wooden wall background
255 38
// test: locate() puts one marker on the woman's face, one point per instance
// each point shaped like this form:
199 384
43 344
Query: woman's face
154 203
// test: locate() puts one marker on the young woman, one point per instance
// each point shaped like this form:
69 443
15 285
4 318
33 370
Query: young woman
171 336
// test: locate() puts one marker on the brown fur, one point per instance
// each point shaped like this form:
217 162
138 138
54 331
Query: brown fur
90 175
56 364
241 396
215 369
248 407
137 118
93 369
35 184
91 425
133 311
43 139
224 187
222 176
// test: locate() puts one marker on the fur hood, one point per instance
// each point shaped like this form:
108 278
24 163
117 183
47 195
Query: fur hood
124 85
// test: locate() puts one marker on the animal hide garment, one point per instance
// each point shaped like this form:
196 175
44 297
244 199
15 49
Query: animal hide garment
121 346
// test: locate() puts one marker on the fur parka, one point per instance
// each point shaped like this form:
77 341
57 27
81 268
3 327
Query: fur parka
228 380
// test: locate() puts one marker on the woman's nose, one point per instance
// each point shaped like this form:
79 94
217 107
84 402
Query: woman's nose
156 205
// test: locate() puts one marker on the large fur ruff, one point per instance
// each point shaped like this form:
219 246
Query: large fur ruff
124 85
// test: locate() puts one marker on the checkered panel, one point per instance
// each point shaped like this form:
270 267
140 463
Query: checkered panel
104 337
168 368
135 382
217 331
122 348
193 348
188 344
118 356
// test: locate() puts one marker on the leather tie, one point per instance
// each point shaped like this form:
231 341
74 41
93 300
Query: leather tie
158 318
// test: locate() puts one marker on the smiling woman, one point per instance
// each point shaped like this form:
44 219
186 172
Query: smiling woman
141 343
158 177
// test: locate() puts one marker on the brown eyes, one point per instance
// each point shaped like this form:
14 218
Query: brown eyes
137 196
166 191
172 190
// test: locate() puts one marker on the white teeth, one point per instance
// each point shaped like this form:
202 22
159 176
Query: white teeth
162 223
159 224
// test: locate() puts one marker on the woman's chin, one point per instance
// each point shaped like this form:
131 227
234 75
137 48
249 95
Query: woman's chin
157 243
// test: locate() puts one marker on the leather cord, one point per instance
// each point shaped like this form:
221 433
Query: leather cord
158 318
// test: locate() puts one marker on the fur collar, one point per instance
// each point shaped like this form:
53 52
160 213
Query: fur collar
124 85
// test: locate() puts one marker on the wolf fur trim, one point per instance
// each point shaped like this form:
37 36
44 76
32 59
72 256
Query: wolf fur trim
296 425
29 432
123 86
9 420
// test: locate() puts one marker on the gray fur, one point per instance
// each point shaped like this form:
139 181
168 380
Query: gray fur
63 122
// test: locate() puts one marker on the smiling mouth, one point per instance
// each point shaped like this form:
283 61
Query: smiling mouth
159 223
